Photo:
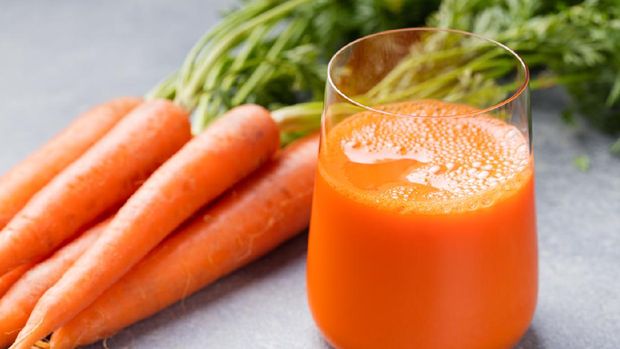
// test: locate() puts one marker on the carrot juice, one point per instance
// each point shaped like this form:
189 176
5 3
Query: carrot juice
423 230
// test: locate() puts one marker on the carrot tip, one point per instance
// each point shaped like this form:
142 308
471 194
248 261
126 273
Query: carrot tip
29 336
41 345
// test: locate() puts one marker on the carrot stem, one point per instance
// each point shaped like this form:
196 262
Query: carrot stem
187 92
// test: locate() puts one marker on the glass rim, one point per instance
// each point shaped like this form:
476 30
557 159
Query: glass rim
519 91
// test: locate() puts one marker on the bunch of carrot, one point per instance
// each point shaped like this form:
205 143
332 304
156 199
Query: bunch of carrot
160 178
126 212
150 167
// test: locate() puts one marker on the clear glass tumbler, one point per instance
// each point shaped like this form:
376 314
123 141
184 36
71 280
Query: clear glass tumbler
423 231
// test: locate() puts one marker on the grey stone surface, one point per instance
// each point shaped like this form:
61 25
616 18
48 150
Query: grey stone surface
58 57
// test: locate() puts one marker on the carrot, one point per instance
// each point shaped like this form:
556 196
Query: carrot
18 302
232 147
28 177
7 280
257 215
106 175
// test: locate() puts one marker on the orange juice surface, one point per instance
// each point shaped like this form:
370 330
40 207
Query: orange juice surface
423 231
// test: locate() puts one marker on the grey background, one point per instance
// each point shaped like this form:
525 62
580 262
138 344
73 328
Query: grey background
59 57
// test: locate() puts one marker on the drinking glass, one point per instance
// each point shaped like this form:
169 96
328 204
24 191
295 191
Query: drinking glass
423 229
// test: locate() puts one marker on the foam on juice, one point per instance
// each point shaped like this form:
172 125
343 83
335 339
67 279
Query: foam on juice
432 164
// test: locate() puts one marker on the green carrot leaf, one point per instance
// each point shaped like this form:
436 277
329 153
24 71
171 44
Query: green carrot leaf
582 162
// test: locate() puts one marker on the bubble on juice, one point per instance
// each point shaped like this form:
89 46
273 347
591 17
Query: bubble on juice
486 202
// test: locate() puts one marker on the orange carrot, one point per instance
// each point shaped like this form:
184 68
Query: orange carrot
254 217
106 175
18 302
29 176
231 148
7 280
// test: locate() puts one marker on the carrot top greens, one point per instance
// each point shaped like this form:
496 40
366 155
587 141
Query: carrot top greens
274 53
571 43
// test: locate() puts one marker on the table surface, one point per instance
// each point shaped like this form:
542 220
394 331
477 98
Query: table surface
59 57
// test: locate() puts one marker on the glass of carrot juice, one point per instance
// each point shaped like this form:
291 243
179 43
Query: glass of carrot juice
423 230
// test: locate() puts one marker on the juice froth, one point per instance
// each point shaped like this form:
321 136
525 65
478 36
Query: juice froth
425 163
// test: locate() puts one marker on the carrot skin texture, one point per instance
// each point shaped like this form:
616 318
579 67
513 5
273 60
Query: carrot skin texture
106 175
7 280
250 220
28 177
18 302
231 148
